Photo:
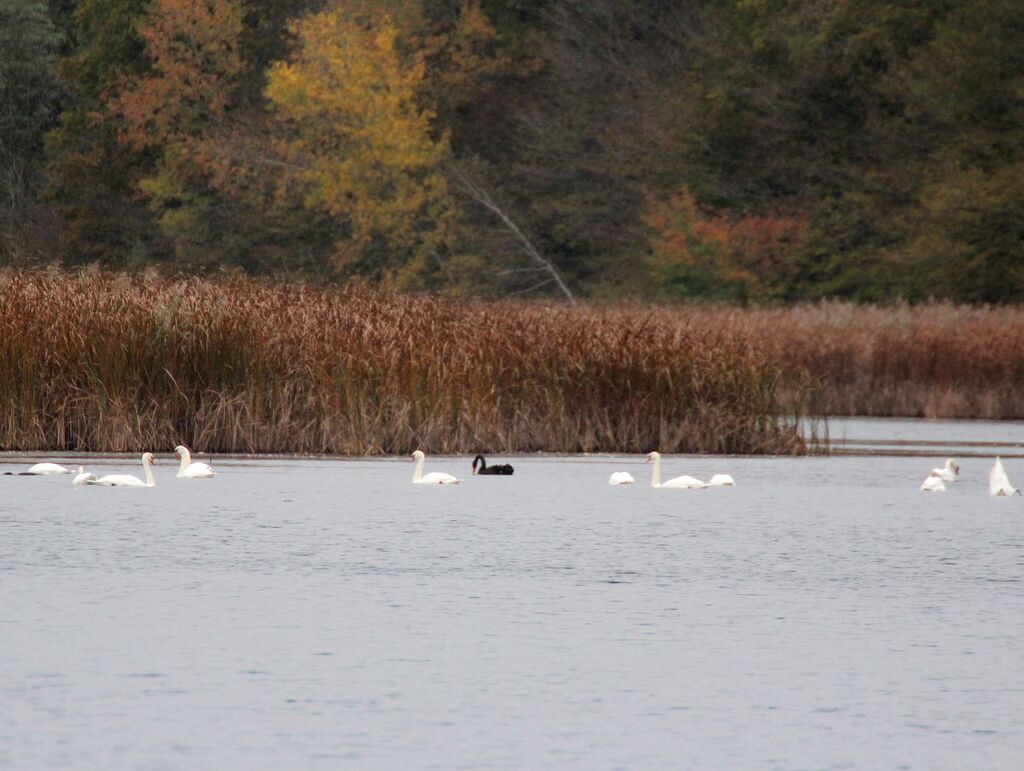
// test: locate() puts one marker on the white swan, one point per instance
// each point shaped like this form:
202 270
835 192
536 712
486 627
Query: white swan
933 484
434 478
127 480
998 482
721 480
45 469
683 483
621 478
949 472
83 477
189 470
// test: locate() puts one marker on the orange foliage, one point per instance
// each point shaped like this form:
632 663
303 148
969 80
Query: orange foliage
193 47
180 112
737 253
764 242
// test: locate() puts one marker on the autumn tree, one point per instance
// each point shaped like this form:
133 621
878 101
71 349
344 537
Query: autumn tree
195 113
696 253
362 141
192 49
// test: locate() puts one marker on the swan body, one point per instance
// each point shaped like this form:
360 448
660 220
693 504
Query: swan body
721 480
83 477
128 480
621 478
948 472
933 484
499 469
434 478
684 482
44 469
998 482
189 470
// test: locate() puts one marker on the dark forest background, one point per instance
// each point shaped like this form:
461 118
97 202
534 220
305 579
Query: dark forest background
740 150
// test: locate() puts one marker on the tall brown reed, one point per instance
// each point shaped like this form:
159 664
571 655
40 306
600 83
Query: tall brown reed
113 362
936 360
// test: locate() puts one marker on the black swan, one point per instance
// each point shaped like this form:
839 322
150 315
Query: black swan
505 469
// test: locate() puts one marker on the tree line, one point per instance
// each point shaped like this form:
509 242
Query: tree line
739 150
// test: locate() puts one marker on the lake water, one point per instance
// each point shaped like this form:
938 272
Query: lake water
325 614
928 437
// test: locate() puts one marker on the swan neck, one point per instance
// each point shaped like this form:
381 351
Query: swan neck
186 460
150 481
418 473
656 477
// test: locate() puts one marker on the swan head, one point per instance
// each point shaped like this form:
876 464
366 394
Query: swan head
180 449
953 466
652 457
418 454
148 458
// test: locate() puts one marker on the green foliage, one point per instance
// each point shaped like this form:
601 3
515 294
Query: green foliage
886 123
91 178
966 105
28 43
28 92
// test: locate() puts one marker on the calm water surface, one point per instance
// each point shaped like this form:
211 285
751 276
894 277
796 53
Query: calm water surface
324 614
923 437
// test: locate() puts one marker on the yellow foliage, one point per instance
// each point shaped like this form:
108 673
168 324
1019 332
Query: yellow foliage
363 137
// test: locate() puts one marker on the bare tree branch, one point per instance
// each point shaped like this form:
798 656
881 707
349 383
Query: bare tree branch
543 283
477 192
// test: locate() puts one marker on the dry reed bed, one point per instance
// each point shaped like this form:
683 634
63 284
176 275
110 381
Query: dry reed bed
113 362
933 361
